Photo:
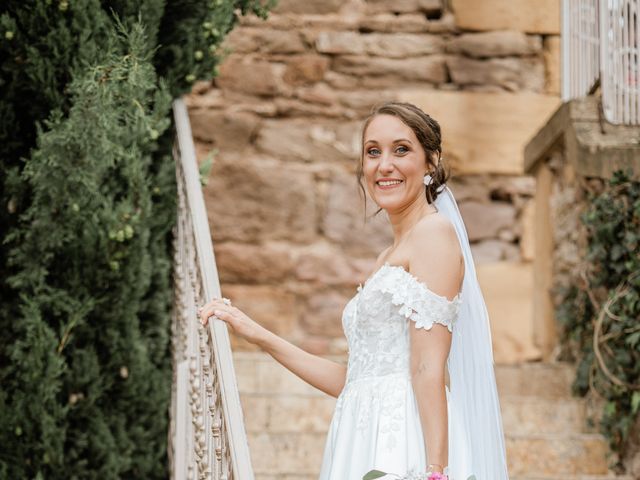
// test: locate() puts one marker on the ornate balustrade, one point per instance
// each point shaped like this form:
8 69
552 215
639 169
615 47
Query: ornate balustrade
207 439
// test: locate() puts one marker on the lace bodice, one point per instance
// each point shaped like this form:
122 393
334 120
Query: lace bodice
375 321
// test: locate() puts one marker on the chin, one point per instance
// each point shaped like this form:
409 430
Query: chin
388 205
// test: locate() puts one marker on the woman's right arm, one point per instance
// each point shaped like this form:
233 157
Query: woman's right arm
321 373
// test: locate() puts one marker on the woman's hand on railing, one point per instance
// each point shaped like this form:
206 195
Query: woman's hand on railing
321 373
240 323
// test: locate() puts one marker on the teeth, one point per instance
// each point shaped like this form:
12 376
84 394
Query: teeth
389 182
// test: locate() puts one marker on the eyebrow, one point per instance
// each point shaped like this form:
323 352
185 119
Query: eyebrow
395 141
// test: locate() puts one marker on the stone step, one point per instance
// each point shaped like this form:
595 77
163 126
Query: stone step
570 454
551 455
257 372
297 413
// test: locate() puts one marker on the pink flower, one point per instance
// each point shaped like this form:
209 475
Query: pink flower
437 476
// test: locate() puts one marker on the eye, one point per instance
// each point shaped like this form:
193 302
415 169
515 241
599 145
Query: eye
372 150
405 148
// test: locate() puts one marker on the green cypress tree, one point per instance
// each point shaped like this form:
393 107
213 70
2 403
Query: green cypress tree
87 191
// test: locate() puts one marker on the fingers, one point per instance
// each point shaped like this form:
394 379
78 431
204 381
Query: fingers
212 303
218 308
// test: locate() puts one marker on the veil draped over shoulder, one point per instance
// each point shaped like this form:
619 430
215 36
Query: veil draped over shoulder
476 438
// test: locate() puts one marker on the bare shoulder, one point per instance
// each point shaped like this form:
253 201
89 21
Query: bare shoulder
435 255
436 230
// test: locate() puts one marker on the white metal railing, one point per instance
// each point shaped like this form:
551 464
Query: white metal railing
601 41
207 439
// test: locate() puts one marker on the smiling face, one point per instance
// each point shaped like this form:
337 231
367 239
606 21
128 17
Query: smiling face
393 163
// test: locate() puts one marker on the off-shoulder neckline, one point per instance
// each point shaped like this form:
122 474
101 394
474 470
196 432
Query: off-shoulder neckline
413 278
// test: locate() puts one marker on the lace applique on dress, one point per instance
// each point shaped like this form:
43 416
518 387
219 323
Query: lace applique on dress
416 300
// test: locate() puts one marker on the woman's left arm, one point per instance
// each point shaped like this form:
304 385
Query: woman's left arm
436 260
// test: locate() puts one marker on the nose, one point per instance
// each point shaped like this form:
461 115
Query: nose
386 162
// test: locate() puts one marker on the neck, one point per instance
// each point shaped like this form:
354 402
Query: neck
404 220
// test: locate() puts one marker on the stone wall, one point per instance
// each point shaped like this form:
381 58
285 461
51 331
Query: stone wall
283 120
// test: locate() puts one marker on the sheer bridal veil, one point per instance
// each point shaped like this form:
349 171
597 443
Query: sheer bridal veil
476 438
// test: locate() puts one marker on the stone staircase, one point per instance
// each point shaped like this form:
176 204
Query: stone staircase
545 428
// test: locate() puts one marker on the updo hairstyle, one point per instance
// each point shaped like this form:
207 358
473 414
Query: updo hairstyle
426 130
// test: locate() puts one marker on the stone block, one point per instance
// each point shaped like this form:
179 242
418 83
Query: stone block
541 16
225 130
533 415
430 7
288 413
319 93
328 266
485 132
429 69
512 73
509 188
271 306
340 43
305 69
274 378
500 43
315 7
470 187
553 69
300 140
402 45
550 381
397 45
250 39
322 315
247 74
341 81
558 455
407 23
245 366
486 219
293 108
507 290
257 200
363 100
276 453
249 263
487 251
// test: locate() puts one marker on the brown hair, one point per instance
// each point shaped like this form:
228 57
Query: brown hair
426 130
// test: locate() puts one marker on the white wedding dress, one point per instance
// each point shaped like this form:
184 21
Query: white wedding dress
376 423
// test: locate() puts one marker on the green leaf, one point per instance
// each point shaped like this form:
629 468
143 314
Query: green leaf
610 409
205 167
632 339
373 474
635 402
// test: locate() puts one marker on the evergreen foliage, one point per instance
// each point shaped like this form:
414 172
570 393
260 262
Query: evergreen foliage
87 205
599 314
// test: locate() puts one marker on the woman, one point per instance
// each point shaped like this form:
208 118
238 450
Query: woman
420 312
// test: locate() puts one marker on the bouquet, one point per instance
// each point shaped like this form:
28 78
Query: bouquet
374 474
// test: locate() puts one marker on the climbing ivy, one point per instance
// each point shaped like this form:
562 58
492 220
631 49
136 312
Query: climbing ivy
600 312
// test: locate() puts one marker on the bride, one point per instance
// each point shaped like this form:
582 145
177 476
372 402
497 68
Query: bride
419 316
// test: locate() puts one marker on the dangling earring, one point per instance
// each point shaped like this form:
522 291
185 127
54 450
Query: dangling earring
427 180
